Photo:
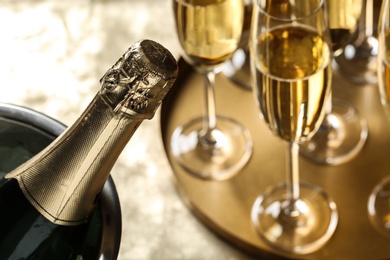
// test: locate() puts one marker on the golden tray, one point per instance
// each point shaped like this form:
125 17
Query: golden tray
224 206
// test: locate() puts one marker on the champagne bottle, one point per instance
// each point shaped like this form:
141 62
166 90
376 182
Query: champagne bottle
45 203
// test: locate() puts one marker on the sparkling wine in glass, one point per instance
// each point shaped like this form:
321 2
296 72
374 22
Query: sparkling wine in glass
291 69
379 200
343 18
210 146
343 132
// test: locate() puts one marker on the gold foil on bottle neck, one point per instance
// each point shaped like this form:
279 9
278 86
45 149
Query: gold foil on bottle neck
139 80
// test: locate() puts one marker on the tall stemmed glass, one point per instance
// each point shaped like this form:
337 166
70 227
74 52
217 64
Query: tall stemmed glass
291 70
379 200
237 69
358 61
210 146
343 132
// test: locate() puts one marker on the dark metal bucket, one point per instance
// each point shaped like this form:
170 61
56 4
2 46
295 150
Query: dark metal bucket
33 131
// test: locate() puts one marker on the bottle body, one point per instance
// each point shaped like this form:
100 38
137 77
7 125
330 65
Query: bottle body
29 235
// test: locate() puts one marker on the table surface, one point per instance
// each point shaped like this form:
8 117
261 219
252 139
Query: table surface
53 54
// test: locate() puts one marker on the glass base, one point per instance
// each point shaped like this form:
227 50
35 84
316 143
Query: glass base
357 62
340 137
213 161
379 206
301 229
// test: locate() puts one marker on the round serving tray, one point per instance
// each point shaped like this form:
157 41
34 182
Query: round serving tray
224 206
23 127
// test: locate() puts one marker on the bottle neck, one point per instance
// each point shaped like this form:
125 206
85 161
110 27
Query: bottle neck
64 180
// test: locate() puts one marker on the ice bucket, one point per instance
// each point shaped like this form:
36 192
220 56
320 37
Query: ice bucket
23 133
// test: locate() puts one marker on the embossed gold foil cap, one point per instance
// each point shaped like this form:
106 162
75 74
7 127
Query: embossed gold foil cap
136 84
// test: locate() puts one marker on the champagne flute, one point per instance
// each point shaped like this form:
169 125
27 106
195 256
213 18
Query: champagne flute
237 69
358 61
211 146
343 132
291 69
343 18
379 200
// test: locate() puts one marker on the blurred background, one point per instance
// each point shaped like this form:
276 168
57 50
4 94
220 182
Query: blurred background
52 55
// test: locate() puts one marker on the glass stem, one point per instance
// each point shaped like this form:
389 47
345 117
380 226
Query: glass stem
326 123
210 118
292 176
328 105
369 18
366 20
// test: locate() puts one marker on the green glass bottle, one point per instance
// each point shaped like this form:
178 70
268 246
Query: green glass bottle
47 202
